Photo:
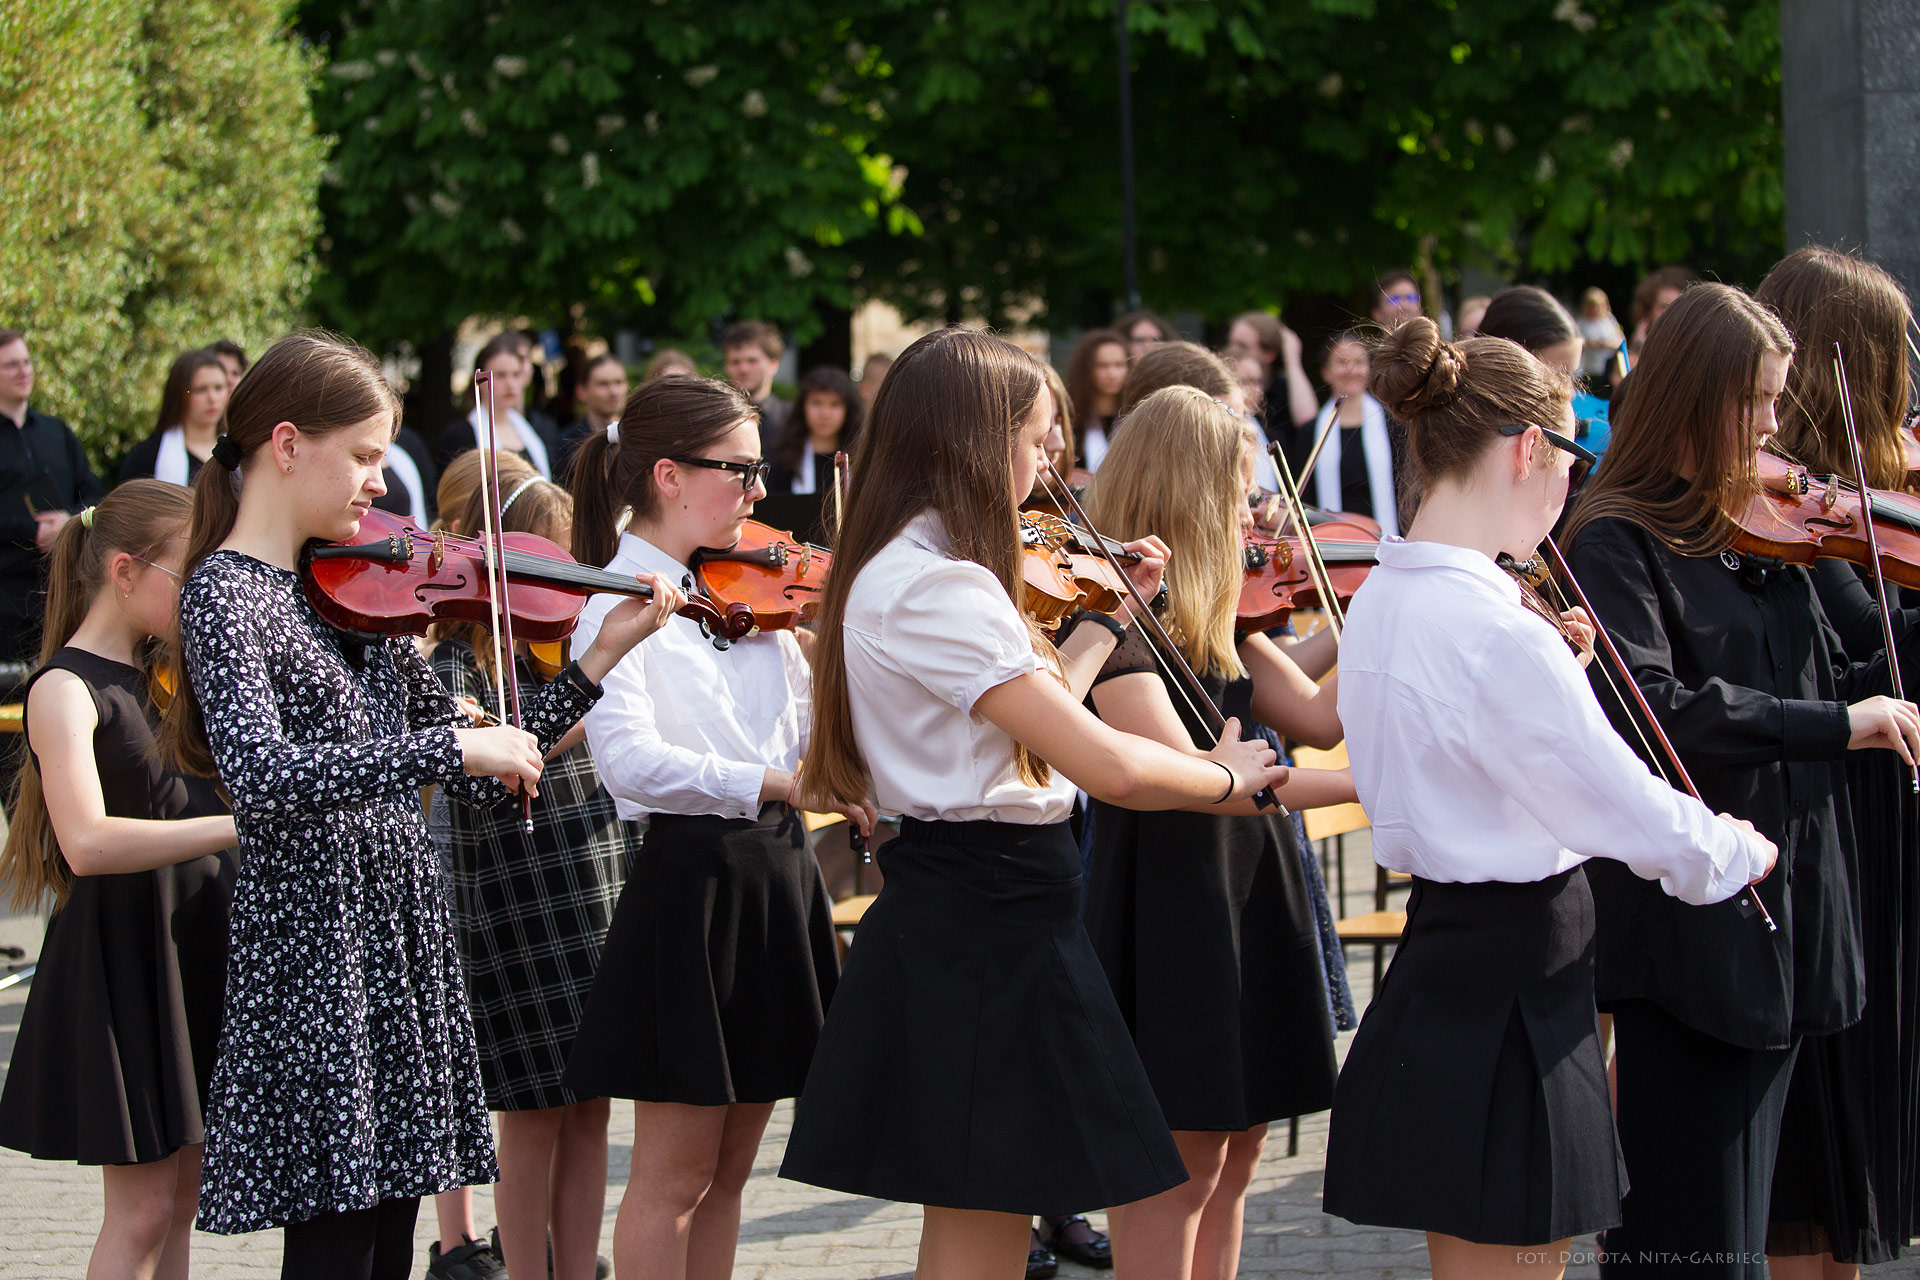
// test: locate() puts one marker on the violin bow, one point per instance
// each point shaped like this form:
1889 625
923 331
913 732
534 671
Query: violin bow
506 683
1679 777
1320 442
1209 714
1873 539
839 491
1316 565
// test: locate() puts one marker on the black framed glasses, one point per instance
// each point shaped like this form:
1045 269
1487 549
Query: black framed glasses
751 473
1583 457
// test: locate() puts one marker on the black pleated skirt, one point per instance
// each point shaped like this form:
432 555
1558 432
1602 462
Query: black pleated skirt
1474 1102
974 1057
716 972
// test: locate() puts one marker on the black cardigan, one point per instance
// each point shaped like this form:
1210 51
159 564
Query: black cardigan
1751 684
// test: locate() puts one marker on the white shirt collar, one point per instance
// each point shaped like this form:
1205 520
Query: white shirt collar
636 550
928 530
1398 553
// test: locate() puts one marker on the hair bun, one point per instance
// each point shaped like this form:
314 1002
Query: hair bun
1413 370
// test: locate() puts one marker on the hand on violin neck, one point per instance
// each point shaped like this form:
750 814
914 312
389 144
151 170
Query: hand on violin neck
1147 573
1579 629
630 622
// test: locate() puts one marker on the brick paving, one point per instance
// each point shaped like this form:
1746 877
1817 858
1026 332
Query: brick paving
788 1231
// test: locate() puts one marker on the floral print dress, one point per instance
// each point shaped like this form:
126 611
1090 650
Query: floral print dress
347 1073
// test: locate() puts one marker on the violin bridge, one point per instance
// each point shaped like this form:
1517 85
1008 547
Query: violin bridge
438 556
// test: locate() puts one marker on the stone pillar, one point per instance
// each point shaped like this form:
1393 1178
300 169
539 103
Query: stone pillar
1850 99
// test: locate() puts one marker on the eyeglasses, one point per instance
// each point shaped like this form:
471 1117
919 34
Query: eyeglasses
751 473
1404 299
162 568
1583 457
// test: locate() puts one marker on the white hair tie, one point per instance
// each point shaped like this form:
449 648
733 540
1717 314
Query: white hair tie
613 432
521 488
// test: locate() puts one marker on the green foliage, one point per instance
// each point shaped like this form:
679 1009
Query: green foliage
161 168
674 160
1286 147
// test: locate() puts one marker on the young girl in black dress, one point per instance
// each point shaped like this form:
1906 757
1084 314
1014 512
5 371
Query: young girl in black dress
1203 920
974 1061
1752 685
116 1044
721 956
347 1084
1473 1102
1844 1181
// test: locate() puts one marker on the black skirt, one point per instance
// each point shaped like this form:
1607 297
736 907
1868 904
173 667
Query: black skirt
1205 928
974 1058
717 970
1474 1100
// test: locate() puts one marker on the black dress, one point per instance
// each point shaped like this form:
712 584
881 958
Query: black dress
116 1046
1204 926
974 1058
1844 1181
716 973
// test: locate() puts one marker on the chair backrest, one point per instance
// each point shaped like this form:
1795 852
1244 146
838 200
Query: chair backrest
1335 820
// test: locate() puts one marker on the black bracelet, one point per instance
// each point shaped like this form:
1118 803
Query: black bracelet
1099 619
1231 780
574 676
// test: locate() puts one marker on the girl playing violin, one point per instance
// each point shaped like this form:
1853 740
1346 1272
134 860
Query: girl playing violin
347 1084
1843 1191
1744 671
1202 917
1473 1103
721 957
957 1066
116 1044
532 913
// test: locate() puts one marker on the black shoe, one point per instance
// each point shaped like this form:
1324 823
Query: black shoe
471 1261
602 1268
1094 1250
1041 1264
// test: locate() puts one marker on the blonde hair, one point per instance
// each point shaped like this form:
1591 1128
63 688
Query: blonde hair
461 481
1174 473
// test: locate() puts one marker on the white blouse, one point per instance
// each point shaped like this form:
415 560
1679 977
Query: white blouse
925 635
684 727
1481 753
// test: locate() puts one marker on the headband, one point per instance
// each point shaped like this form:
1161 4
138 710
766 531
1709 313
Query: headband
519 489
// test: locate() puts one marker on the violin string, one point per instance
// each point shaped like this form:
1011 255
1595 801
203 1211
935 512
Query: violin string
1316 567
487 544
500 603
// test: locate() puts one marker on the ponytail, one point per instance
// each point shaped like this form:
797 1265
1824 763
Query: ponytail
319 382
663 418
139 518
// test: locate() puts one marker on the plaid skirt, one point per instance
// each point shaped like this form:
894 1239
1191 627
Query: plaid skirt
532 915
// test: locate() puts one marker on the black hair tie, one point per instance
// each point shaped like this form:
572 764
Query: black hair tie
227 453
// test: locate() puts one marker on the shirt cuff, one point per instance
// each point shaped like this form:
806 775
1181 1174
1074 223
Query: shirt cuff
742 784
1813 730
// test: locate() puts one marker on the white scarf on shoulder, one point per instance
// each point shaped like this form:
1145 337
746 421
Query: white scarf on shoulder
530 442
1379 451
171 464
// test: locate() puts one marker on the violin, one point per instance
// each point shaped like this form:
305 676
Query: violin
394 578
1795 517
775 579
1339 524
1062 573
1278 581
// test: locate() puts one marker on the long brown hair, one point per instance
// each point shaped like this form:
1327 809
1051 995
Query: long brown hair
1695 373
942 437
826 381
139 518
1825 296
1080 371
663 418
1455 397
1063 417
173 400
321 383
1174 473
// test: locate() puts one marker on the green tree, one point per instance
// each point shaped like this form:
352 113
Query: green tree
161 169
1285 147
672 160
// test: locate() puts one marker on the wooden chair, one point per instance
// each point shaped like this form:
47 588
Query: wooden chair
1379 929
1333 823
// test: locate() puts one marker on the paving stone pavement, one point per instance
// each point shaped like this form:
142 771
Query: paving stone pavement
789 1231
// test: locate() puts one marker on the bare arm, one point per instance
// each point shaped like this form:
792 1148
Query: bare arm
1137 703
1082 656
1315 654
1287 700
1300 398
1120 768
61 720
